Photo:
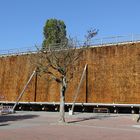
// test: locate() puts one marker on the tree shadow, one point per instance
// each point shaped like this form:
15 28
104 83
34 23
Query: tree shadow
5 124
81 119
6 118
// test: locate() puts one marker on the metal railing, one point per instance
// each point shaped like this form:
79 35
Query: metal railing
96 42
116 39
112 40
17 51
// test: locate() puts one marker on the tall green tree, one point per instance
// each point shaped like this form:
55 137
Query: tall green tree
54 32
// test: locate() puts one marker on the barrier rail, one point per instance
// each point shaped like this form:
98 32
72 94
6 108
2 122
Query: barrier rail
96 42
17 51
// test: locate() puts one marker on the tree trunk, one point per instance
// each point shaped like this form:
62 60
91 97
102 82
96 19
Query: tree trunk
62 100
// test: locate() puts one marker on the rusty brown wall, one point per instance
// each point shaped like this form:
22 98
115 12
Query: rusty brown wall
113 76
14 73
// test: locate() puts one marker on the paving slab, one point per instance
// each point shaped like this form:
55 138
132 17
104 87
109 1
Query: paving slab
32 125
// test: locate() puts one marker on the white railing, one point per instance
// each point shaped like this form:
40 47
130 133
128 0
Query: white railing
95 42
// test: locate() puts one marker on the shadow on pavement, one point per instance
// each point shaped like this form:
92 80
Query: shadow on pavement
80 119
6 118
5 124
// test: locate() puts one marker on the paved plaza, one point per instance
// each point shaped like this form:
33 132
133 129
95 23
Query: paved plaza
81 126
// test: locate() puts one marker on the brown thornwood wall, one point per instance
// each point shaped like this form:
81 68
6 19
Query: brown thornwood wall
113 76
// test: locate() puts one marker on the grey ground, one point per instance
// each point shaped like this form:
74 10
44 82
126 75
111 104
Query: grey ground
81 126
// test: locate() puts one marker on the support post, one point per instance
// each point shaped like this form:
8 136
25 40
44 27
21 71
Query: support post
21 94
35 87
77 91
87 84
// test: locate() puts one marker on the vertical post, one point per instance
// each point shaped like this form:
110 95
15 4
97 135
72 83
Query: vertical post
116 39
132 37
35 87
87 84
101 41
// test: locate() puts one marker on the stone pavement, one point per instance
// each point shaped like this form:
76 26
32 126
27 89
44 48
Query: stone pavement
83 126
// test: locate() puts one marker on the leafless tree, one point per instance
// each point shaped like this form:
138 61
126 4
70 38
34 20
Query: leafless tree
59 61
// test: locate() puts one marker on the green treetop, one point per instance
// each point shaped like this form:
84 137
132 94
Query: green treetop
54 32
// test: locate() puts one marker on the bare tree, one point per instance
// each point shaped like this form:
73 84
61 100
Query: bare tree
59 61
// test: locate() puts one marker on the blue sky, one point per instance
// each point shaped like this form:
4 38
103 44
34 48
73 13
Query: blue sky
22 21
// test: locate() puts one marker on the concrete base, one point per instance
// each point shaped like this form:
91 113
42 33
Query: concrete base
71 112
